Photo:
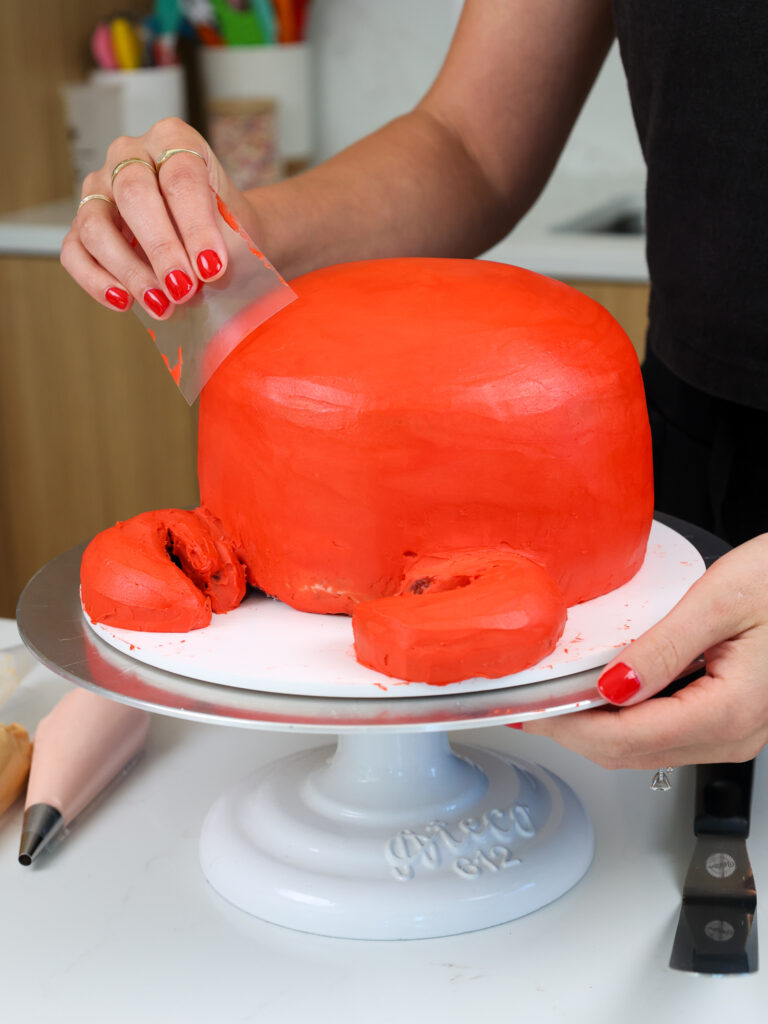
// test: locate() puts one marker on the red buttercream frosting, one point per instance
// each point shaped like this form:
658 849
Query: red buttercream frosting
479 613
161 571
454 451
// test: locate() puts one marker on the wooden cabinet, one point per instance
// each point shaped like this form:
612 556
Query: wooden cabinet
92 428
626 301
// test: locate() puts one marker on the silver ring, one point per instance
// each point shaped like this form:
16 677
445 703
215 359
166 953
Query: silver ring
661 781
96 195
168 153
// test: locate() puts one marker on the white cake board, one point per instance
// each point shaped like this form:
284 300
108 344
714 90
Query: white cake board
265 645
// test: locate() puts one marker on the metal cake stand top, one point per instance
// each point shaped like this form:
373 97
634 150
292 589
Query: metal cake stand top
51 623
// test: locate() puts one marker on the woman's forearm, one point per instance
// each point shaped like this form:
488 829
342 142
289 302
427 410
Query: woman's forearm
453 176
409 189
448 179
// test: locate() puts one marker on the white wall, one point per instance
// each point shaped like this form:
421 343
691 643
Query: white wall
375 58
604 137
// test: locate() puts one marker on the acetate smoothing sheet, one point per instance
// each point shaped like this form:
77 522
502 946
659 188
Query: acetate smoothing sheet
202 332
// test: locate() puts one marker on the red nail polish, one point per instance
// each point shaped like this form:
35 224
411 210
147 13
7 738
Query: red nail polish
514 725
208 263
178 284
156 301
619 683
117 297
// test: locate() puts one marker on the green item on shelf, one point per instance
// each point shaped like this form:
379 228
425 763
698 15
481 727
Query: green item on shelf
238 28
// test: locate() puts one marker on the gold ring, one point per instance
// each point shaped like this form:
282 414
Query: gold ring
130 160
168 153
96 195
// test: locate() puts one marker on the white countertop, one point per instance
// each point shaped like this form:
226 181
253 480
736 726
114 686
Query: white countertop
36 230
539 243
118 925
536 243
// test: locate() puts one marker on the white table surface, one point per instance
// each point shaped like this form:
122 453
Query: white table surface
538 242
117 925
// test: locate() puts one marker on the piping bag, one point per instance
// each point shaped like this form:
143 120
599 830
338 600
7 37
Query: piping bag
203 331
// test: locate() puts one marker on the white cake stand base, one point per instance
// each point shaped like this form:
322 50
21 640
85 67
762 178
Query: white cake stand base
396 836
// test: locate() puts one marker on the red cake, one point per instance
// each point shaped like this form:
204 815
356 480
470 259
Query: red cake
450 451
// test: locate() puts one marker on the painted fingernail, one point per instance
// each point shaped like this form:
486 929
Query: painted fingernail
619 683
156 301
178 284
208 263
117 297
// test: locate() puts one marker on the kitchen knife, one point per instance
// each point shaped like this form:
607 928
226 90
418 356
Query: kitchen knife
717 930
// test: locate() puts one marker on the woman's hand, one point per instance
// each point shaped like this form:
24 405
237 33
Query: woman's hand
720 717
150 234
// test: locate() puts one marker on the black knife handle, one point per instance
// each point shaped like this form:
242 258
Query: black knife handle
723 799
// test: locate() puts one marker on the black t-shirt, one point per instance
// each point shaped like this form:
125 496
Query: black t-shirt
698 80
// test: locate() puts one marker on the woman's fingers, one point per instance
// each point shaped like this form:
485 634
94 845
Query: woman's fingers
188 176
143 209
108 288
99 284
184 184
727 600
99 257
721 716
162 236
699 724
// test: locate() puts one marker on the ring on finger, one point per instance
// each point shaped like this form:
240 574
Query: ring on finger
661 781
96 195
168 153
129 160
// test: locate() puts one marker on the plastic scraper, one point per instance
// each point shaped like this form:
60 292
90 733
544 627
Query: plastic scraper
203 331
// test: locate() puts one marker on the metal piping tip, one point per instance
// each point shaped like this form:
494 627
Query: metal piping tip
41 823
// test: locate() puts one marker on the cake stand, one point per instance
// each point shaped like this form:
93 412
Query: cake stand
390 834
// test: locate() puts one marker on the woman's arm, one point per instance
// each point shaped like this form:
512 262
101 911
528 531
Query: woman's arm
450 178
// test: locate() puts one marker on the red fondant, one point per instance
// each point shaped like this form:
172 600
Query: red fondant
413 413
